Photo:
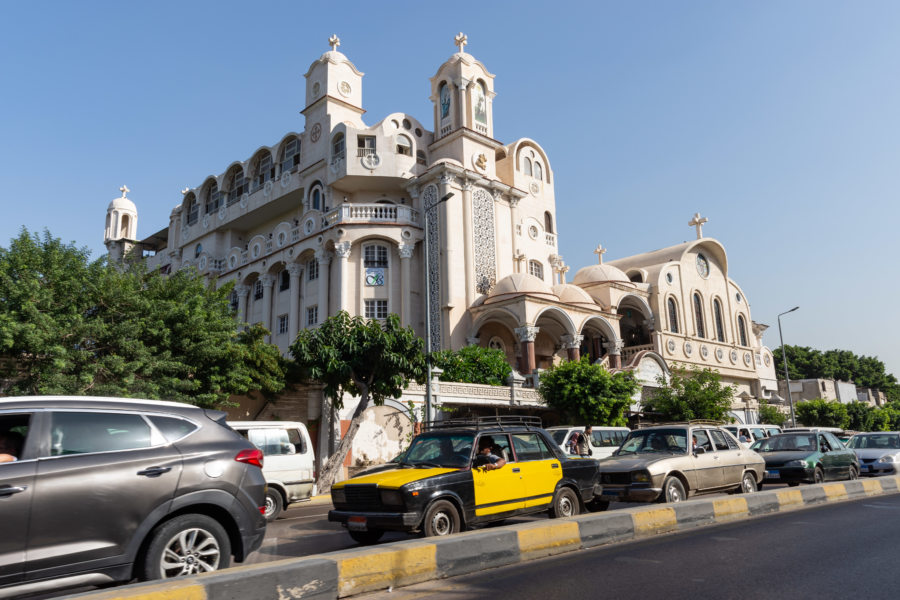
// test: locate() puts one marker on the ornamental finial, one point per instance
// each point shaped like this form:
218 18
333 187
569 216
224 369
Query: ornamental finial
698 222
461 40
334 41
124 189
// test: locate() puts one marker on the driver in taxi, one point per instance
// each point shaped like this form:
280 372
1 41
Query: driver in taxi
486 459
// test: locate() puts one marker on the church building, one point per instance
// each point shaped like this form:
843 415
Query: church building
336 216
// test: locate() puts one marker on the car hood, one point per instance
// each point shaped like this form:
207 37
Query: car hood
394 478
875 452
631 462
779 458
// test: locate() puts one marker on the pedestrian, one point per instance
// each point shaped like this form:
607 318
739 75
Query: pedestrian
583 445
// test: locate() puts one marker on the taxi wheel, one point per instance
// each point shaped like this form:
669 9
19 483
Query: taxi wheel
819 475
366 537
673 491
565 504
748 483
442 518
854 474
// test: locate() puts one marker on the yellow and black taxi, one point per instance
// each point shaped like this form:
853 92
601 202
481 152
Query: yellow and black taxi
442 485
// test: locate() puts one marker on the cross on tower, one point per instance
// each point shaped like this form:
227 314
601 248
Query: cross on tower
698 222
124 189
600 251
461 40
334 41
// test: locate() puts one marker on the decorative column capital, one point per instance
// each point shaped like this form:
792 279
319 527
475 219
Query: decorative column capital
513 202
342 250
572 341
614 347
447 179
406 250
242 290
268 280
527 333
323 257
295 269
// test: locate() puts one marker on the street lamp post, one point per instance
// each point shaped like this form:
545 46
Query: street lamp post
787 378
426 211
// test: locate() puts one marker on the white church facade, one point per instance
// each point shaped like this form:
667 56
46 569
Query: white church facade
332 217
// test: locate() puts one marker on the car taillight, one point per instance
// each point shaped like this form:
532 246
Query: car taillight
251 457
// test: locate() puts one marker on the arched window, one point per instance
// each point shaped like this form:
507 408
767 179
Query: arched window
538 171
673 315
125 223
548 222
284 281
444 98
264 171
315 199
421 159
698 316
213 198
235 185
375 256
742 330
536 268
404 145
337 148
193 209
198 249
717 314
290 155
526 166
480 103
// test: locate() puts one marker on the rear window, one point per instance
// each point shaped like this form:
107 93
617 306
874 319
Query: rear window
171 428
275 442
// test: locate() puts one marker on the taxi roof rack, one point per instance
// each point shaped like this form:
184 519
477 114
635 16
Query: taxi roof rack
690 422
489 422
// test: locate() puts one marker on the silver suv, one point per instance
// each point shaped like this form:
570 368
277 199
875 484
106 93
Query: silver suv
102 490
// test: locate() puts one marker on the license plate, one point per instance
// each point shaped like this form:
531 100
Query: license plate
865 468
773 475
356 523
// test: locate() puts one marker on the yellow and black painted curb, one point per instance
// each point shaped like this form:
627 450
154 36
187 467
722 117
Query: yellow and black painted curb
349 572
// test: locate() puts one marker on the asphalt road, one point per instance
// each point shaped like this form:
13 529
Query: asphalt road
845 550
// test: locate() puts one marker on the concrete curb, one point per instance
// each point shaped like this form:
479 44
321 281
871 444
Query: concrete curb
345 573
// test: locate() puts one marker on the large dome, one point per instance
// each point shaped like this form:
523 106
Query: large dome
572 294
520 284
122 203
599 274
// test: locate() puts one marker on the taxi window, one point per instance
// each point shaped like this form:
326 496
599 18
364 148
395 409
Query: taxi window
703 440
530 446
499 446
719 439
732 444
836 444
824 446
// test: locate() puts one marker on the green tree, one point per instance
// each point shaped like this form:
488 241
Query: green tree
69 325
365 358
861 416
864 371
586 393
691 394
473 364
822 413
771 415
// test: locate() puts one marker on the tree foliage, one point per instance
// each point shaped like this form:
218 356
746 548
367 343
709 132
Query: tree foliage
822 413
473 364
843 365
588 394
69 325
770 414
366 358
691 394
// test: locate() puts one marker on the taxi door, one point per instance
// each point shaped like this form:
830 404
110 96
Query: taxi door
500 490
539 469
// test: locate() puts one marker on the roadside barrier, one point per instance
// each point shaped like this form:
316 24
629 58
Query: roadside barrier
345 573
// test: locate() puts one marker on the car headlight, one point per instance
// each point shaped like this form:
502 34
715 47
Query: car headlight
888 458
640 477
391 498
338 496
796 463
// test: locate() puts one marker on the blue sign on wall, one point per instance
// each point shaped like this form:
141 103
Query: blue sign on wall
374 277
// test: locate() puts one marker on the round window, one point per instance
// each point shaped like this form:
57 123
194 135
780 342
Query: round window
702 266
533 232
738 297
669 277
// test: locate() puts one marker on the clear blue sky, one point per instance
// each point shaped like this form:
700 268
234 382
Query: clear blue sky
779 121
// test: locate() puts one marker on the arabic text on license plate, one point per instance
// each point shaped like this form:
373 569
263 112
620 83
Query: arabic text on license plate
772 475
356 524
865 468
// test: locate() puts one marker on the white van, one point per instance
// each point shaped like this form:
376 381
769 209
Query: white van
604 440
289 463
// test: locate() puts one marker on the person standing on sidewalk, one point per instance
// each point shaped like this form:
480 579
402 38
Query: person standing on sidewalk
583 446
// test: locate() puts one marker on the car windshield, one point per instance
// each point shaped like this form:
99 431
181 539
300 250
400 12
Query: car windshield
799 442
878 441
438 449
671 441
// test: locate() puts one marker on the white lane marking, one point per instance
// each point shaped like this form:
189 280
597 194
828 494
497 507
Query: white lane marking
301 518
888 506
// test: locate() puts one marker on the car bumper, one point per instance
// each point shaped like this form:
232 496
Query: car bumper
367 521
874 469
789 475
629 493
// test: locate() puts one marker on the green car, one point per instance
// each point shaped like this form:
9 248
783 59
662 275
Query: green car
808 457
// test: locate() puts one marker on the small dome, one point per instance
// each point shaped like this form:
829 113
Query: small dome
122 203
599 274
519 284
572 294
334 56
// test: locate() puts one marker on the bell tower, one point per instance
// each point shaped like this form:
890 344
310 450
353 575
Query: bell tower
462 92
333 93
121 226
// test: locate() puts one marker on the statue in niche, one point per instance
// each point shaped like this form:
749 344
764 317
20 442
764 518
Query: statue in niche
480 104
445 101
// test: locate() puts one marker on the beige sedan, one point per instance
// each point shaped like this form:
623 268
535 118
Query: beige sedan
669 463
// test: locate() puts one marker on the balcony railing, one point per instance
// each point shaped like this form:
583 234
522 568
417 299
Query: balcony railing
551 239
370 213
360 152
630 351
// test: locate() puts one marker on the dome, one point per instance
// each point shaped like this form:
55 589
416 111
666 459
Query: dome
122 203
572 294
599 274
519 284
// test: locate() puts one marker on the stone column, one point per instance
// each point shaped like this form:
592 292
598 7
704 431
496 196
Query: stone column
406 252
296 271
468 244
268 280
342 250
527 334
572 344
324 259
243 292
514 219
615 353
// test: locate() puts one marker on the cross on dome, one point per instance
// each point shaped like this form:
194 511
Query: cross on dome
698 222
185 191
334 41
600 251
124 189
461 40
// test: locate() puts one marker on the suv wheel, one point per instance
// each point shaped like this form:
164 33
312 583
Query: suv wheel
186 545
274 504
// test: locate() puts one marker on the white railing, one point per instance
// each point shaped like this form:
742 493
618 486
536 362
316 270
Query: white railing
360 152
630 351
551 239
371 213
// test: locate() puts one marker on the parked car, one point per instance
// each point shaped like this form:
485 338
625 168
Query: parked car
771 430
290 463
878 452
746 434
669 463
107 490
438 486
810 456
604 440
